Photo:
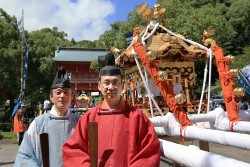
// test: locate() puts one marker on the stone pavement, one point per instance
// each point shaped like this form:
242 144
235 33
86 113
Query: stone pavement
8 152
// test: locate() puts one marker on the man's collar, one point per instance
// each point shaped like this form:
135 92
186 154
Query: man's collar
120 109
54 112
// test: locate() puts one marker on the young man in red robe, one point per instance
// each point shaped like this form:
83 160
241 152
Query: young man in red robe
126 137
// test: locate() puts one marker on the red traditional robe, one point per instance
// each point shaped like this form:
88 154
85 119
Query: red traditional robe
126 138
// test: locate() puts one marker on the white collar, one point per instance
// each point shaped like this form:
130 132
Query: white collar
54 113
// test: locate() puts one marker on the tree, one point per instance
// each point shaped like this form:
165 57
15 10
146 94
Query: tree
242 60
85 44
238 16
117 35
10 57
94 65
107 40
41 72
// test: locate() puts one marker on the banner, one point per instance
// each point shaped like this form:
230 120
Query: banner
24 66
17 106
25 54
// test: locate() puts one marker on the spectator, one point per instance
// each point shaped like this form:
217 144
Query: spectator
46 106
40 109
19 123
245 105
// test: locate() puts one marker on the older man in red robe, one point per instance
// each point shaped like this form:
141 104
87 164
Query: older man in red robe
126 137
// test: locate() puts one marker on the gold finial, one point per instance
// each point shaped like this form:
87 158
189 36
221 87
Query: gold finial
152 55
114 50
239 92
148 14
208 32
206 40
231 58
156 6
180 98
162 75
234 72
209 41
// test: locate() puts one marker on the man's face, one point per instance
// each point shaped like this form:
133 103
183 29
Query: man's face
61 98
111 87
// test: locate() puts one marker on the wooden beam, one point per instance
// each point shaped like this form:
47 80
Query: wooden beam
204 145
44 140
93 143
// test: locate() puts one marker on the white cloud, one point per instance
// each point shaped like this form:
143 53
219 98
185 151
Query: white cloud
81 19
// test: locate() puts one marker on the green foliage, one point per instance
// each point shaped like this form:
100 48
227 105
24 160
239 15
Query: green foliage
192 21
84 44
10 57
238 16
7 135
117 35
42 45
98 100
217 88
94 65
242 60
107 39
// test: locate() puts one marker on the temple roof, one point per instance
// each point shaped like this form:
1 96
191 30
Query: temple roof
70 54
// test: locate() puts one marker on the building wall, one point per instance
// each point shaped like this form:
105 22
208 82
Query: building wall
82 77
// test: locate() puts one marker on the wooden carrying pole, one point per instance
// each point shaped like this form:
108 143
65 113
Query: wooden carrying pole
93 143
44 140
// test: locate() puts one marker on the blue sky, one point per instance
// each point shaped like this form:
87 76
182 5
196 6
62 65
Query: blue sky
123 7
80 19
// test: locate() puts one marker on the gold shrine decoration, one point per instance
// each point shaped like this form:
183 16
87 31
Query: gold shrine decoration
239 92
132 74
208 32
148 14
82 100
152 55
210 41
172 70
144 11
162 75
186 69
234 72
177 79
206 37
231 58
180 98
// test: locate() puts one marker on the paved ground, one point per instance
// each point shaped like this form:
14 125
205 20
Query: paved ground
8 153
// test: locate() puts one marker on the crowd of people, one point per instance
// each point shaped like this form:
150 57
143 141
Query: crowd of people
244 105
